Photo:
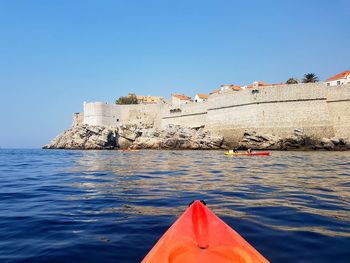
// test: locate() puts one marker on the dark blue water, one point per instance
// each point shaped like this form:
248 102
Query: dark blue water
109 206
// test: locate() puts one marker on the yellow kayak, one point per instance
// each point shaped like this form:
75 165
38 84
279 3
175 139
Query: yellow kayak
129 150
247 154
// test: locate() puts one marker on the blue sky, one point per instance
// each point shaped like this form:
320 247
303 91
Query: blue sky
56 54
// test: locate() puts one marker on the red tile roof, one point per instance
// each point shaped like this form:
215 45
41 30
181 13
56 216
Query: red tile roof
341 75
215 91
262 84
202 96
232 87
181 96
237 88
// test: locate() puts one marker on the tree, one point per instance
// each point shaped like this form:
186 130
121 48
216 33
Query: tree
130 99
292 81
310 78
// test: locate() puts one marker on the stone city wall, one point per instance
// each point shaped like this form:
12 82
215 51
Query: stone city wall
78 118
272 110
99 113
319 110
338 102
188 115
141 114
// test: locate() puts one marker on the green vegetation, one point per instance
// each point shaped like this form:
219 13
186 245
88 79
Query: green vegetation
130 99
292 81
310 78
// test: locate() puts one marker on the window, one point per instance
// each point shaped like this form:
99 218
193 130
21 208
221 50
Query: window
328 84
338 82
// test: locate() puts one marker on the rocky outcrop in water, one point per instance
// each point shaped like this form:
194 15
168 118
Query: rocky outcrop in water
133 137
176 137
85 137
297 141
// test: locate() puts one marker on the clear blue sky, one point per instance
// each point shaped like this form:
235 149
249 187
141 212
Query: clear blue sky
56 54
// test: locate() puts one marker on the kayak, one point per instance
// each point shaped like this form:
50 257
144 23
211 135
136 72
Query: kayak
248 154
129 150
200 236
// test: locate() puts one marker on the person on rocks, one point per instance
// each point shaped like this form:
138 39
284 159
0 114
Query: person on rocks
234 150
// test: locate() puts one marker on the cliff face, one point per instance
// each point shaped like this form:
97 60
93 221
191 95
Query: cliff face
133 137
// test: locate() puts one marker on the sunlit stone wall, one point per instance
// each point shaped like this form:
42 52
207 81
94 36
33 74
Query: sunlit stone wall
193 114
319 110
272 110
104 114
338 102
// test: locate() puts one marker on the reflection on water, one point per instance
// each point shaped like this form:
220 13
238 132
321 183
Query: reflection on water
292 206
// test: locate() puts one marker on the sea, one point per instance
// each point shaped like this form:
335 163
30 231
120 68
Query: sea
112 206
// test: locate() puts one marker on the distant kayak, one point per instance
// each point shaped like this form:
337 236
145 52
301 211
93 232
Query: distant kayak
200 236
248 154
130 150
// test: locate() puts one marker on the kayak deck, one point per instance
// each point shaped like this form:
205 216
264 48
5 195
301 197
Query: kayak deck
200 236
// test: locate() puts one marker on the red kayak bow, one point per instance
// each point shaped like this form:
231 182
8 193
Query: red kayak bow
200 236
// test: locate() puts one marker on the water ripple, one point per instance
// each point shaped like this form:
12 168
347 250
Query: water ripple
109 206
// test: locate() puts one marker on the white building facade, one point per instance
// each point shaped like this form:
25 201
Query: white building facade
200 98
339 79
179 99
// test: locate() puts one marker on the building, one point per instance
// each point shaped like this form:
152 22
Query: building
215 91
230 87
261 84
339 79
146 99
200 97
178 99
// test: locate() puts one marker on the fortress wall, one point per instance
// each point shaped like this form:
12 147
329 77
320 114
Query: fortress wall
319 110
338 102
193 114
100 113
272 110
78 118
145 114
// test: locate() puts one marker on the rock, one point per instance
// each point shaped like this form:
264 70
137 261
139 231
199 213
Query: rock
146 143
325 141
335 141
150 132
130 136
256 141
130 132
327 144
124 143
298 132
85 137
94 129
177 137
296 141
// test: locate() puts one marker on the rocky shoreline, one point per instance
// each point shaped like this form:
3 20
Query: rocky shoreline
173 137
132 137
297 141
